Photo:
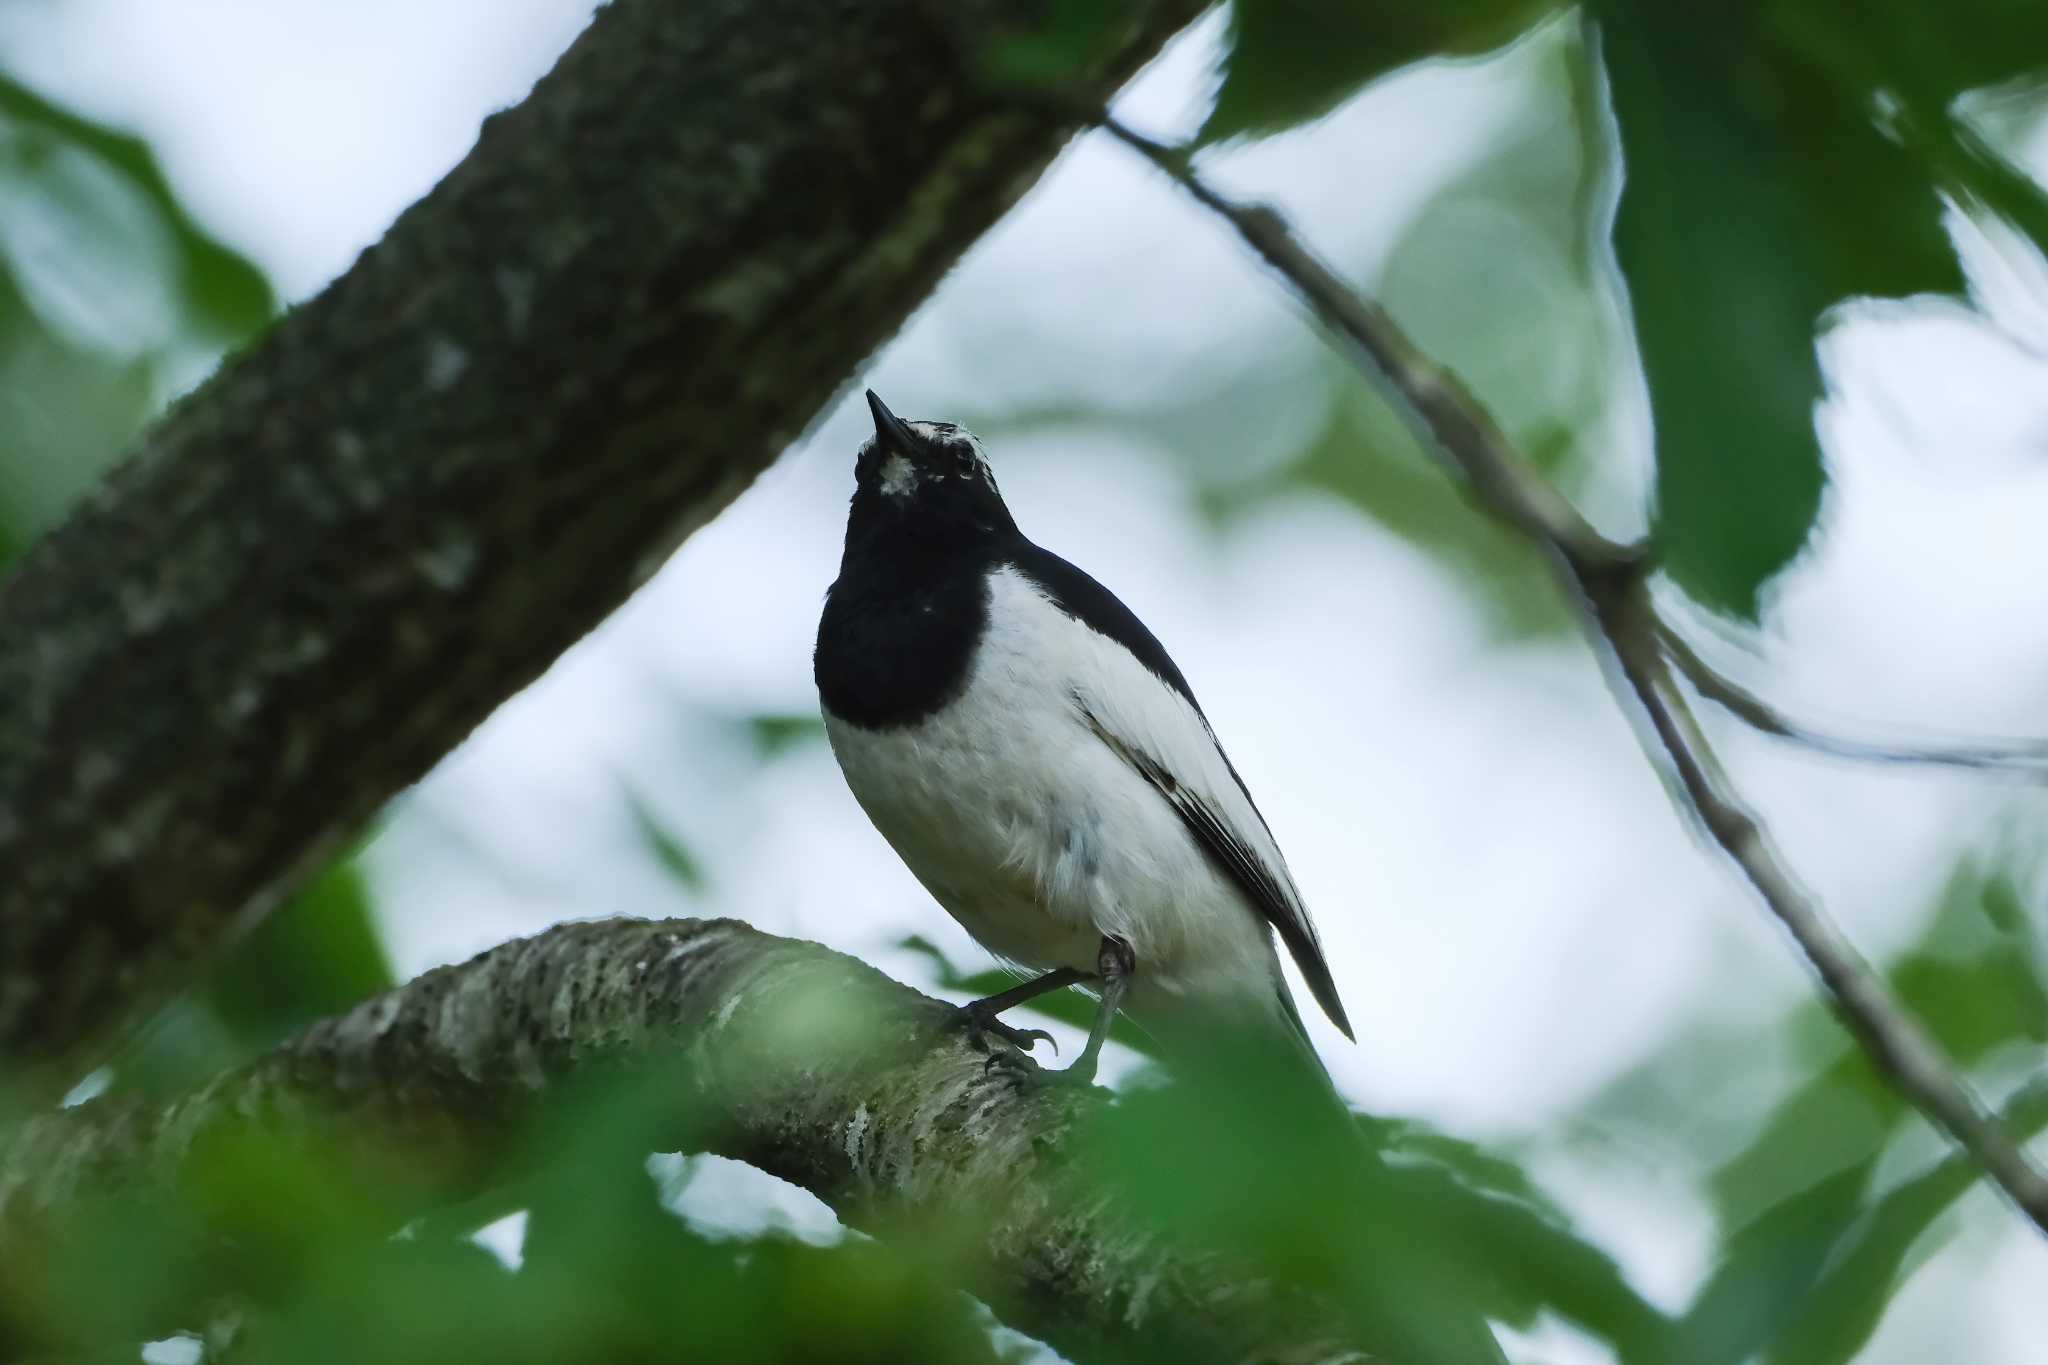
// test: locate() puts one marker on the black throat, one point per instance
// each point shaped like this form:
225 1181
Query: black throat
901 625
902 621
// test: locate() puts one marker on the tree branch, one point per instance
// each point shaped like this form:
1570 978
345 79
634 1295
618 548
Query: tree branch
321 570
2012 756
801 1061
1607 582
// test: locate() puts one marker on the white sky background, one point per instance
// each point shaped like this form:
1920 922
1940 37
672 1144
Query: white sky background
1513 913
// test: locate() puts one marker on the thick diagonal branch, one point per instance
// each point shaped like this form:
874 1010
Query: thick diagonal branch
321 570
1606 582
799 1060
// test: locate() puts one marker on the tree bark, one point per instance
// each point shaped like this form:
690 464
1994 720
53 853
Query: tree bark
321 570
798 1060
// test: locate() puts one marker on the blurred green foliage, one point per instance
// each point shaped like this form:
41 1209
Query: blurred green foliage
669 852
1780 157
1777 158
1758 195
315 956
775 733
112 298
1294 60
1813 1242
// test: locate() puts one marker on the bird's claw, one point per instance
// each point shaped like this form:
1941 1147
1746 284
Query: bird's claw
979 1026
1010 1059
1028 1038
1077 1075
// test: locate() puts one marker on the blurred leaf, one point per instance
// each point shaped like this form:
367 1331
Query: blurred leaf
1493 277
66 413
1366 455
1538 1262
1766 1271
1809 1279
224 293
1871 1260
1969 978
318 955
1809 1234
1067 38
669 851
1926 54
774 735
111 299
1976 173
1289 61
1385 1218
610 1274
1758 195
1413 1140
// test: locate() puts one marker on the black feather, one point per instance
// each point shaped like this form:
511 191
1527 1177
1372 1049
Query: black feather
1241 864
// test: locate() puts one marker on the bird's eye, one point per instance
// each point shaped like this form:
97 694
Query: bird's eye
964 461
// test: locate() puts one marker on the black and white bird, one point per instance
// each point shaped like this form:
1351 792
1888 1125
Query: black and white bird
1033 755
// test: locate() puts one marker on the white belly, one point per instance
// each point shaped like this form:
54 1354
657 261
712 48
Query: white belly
1039 839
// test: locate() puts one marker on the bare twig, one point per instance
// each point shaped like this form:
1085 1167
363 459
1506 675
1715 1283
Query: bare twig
1606 579
2019 757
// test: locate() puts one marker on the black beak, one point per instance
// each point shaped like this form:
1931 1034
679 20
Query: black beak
889 429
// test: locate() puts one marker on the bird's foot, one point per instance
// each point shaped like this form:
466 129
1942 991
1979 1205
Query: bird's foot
1079 1074
980 1025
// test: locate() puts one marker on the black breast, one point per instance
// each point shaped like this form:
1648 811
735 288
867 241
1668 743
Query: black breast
896 641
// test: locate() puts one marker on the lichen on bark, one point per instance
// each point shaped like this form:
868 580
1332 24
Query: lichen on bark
801 1061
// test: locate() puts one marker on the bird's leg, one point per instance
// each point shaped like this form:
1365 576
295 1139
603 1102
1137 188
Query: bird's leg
1114 963
979 1016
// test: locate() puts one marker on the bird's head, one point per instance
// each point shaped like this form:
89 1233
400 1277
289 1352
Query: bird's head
930 479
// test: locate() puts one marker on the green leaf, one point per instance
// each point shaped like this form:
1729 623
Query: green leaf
1925 54
111 297
315 957
774 734
1765 1272
227 295
1872 1259
1290 61
1069 36
1759 193
318 955
1538 1262
1971 978
670 852
1809 1271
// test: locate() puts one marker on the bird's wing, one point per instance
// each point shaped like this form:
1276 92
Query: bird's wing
1248 854
1136 701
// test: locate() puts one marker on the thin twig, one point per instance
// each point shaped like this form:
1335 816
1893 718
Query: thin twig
1606 580
2020 757
1891 1036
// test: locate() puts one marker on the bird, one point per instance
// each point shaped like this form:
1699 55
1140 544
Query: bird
1041 765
